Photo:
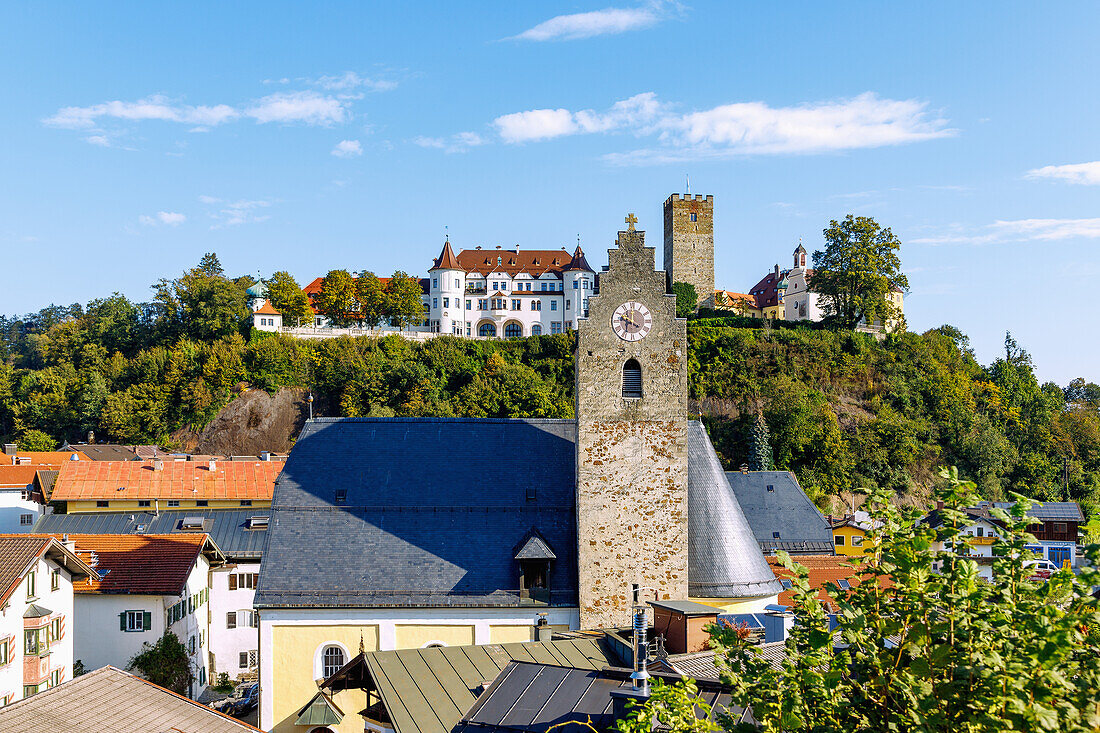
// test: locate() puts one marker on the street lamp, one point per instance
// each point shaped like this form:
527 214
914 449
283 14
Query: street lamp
310 401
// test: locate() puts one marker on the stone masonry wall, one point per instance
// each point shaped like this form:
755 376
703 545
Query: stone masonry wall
689 245
631 454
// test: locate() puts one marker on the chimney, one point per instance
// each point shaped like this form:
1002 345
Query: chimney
70 545
213 464
777 623
939 505
777 271
683 624
158 464
91 437
10 449
543 632
265 455
744 468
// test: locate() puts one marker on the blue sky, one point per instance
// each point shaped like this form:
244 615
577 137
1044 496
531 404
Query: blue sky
312 136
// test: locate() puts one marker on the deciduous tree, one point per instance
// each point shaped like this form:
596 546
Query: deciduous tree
336 299
287 297
857 269
403 304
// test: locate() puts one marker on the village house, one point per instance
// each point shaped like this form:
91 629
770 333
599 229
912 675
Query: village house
782 517
109 699
129 486
147 585
37 573
412 549
849 531
238 533
21 497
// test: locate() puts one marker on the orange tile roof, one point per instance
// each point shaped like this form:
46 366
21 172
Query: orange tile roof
19 475
46 457
532 261
822 568
135 563
17 551
122 480
267 309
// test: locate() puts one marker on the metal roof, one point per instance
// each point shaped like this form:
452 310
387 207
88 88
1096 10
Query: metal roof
1058 511
536 698
773 503
320 711
430 690
687 608
438 507
229 528
109 699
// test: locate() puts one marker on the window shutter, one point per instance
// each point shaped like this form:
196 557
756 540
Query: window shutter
231 620
632 380
147 621
232 581
122 621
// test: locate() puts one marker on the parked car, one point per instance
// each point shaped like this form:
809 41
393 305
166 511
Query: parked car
246 703
1040 569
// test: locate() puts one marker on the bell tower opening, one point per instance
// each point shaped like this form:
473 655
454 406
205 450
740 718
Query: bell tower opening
632 380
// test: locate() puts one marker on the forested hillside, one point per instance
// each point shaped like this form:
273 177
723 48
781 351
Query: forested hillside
842 410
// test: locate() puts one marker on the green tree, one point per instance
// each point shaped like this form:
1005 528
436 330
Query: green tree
114 323
165 663
403 300
287 297
760 449
686 299
372 298
202 303
857 269
336 299
922 642
36 440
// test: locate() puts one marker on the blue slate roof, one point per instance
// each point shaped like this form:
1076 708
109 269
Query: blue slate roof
782 517
430 511
229 528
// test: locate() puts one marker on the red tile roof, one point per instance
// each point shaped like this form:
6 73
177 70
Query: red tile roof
267 309
822 568
446 259
18 551
128 480
531 261
19 475
51 457
139 564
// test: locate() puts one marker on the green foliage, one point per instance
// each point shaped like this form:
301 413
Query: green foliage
859 266
36 440
686 299
165 663
922 643
337 298
286 296
201 304
402 298
372 298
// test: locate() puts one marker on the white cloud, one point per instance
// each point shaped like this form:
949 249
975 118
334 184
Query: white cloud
171 218
595 23
1017 230
100 140
744 128
156 107
1087 174
347 149
208 199
349 80
307 107
233 213
457 143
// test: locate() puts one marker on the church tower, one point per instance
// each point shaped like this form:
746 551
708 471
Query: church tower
689 243
631 392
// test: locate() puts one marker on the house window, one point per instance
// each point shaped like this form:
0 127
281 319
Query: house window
244 581
173 502
246 502
242 660
529 286
101 504
843 584
458 283
1060 527
435 282
632 380
575 284
544 286
135 620
144 503
32 585
55 579
332 659
29 690
981 531
857 540
555 326
517 305
467 305
553 305
435 302
513 331
534 577
202 502
568 305
55 678
487 329
341 496
231 619
5 656
36 642
446 302
693 216
191 645
26 519
55 628
839 540
536 330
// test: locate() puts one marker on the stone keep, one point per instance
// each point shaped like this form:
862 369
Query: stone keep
689 243
631 453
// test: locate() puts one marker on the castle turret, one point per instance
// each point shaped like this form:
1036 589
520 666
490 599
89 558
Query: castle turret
447 285
800 257
689 243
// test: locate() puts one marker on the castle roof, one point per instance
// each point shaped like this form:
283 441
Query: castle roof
446 259
534 262
436 533
267 309
579 262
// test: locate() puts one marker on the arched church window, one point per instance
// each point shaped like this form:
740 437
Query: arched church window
513 331
632 380
333 660
536 330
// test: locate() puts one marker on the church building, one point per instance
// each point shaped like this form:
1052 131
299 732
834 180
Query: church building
396 533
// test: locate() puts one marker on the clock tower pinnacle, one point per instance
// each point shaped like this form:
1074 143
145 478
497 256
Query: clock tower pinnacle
631 392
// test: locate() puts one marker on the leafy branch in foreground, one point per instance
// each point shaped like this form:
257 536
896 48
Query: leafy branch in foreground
923 642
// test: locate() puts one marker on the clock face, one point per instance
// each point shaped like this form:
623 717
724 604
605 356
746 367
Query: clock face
631 321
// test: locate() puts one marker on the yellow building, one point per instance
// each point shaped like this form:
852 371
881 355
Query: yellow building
849 532
128 486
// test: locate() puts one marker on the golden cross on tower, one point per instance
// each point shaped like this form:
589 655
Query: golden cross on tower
630 220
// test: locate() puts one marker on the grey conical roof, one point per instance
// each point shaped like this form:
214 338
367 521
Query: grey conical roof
724 559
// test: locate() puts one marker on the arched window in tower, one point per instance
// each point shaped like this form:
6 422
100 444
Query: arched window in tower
632 380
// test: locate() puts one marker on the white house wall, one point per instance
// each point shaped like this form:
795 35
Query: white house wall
99 641
227 644
12 507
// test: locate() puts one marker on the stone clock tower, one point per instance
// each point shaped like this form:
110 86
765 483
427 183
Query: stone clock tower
631 392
